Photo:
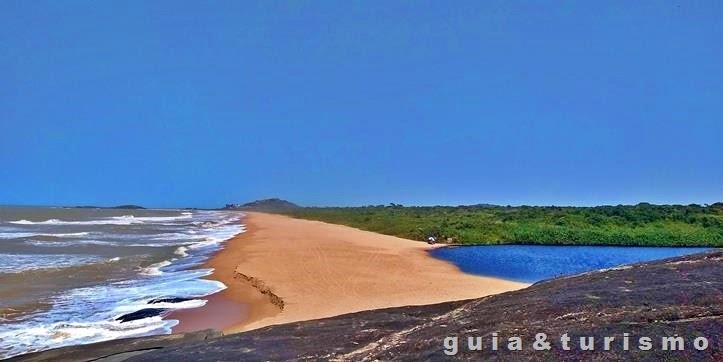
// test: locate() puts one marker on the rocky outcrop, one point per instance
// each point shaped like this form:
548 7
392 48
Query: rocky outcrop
169 300
679 296
141 314
119 349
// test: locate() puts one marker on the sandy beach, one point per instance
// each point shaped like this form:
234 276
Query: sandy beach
285 270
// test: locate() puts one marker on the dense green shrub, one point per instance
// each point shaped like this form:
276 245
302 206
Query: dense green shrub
642 224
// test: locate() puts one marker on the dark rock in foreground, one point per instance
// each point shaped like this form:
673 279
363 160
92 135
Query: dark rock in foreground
118 350
679 296
143 313
169 300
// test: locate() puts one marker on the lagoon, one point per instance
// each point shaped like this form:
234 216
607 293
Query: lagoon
532 263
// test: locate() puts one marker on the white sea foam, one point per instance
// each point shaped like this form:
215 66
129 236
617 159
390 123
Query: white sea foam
10 235
85 315
67 235
182 251
17 263
109 221
113 220
58 334
151 219
29 235
175 236
64 243
23 222
186 304
155 269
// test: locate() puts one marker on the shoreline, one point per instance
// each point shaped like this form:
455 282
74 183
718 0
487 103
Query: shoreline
229 307
283 269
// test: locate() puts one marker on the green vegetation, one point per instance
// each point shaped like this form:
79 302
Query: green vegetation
642 224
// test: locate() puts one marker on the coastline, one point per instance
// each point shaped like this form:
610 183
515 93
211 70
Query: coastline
285 270
233 306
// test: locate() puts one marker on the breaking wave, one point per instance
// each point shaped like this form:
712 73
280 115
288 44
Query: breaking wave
87 314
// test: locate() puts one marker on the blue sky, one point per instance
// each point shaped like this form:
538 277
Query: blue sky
191 103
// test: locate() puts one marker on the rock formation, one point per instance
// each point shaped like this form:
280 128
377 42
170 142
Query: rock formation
679 296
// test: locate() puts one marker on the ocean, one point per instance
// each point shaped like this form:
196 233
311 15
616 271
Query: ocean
68 274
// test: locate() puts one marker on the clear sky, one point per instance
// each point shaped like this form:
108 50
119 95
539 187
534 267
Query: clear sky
199 103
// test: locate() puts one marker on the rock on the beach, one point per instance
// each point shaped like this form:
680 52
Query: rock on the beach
143 313
169 300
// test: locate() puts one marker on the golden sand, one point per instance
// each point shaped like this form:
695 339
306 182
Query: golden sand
285 270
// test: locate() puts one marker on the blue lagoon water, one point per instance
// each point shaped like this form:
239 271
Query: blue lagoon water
532 263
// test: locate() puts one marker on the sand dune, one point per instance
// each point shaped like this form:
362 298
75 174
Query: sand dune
284 270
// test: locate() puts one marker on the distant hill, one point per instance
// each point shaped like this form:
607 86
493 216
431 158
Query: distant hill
274 204
127 207
133 207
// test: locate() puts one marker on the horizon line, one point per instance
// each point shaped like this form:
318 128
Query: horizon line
389 204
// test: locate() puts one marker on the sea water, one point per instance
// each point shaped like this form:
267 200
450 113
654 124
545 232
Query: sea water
66 274
532 263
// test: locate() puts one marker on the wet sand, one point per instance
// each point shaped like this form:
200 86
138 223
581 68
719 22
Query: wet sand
285 270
